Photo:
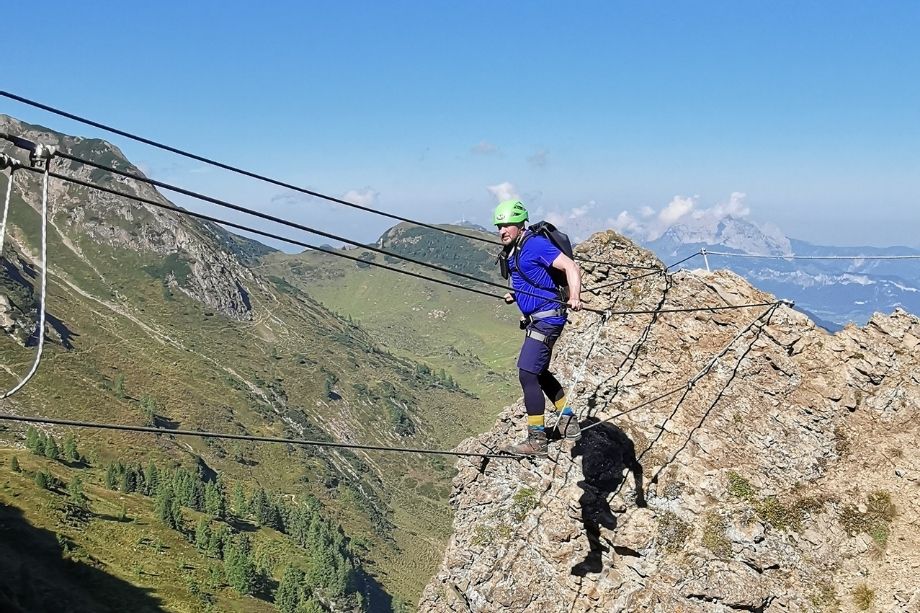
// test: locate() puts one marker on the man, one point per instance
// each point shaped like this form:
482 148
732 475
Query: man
529 259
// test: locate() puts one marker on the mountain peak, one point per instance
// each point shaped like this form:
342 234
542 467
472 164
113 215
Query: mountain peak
739 491
729 232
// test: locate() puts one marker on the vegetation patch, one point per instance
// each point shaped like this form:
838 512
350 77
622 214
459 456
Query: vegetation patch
739 487
824 597
714 538
863 597
524 501
672 532
779 514
875 521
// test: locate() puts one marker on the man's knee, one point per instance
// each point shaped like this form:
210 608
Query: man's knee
528 378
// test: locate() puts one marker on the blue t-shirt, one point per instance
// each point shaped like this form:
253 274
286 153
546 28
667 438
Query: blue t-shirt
536 259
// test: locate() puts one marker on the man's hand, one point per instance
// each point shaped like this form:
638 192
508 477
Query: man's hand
509 298
575 304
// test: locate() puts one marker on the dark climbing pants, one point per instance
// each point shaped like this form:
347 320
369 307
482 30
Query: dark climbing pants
533 369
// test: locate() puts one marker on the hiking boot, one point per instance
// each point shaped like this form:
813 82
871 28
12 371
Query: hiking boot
567 426
534 445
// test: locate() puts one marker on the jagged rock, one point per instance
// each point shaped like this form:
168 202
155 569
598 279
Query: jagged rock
740 492
210 273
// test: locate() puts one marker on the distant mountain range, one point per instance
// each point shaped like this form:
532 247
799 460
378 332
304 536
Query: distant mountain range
832 292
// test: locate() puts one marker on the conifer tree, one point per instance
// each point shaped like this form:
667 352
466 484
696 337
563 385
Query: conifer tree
34 441
151 479
128 480
240 508
149 407
111 477
52 451
202 534
290 591
215 503
70 448
42 480
168 508
14 465
75 494
239 568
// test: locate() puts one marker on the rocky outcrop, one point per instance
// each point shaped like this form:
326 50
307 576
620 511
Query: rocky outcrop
737 460
199 264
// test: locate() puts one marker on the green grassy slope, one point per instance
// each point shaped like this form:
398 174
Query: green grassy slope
470 337
142 351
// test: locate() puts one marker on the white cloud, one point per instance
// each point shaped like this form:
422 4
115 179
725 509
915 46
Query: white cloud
675 210
484 148
504 191
624 222
735 207
577 222
362 197
650 224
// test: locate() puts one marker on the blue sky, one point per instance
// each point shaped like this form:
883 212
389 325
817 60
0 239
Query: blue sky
586 110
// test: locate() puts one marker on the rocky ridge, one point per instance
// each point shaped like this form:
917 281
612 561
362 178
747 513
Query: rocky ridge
204 271
783 479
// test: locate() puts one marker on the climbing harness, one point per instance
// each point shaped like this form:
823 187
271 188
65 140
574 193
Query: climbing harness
39 156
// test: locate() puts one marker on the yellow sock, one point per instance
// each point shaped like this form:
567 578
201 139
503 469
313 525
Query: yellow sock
535 421
560 404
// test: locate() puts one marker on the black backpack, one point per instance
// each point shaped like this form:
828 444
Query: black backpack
557 238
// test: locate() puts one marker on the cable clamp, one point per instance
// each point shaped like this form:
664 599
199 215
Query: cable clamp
788 303
42 154
8 161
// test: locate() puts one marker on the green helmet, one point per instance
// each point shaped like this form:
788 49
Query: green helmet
509 211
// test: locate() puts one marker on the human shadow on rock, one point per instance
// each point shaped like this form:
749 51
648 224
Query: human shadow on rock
605 452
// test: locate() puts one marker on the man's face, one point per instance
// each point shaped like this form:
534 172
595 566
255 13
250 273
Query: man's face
509 232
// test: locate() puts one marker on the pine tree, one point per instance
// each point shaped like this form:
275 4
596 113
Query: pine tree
76 497
240 570
290 590
34 441
149 406
128 480
261 508
218 540
42 480
240 508
14 465
70 448
168 508
52 451
215 503
111 477
311 605
151 479
202 534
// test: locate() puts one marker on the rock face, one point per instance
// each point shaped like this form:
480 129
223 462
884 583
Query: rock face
783 478
194 262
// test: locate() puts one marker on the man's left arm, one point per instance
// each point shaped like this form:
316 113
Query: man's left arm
572 277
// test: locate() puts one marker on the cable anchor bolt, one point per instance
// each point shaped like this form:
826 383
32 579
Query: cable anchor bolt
41 155
8 161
